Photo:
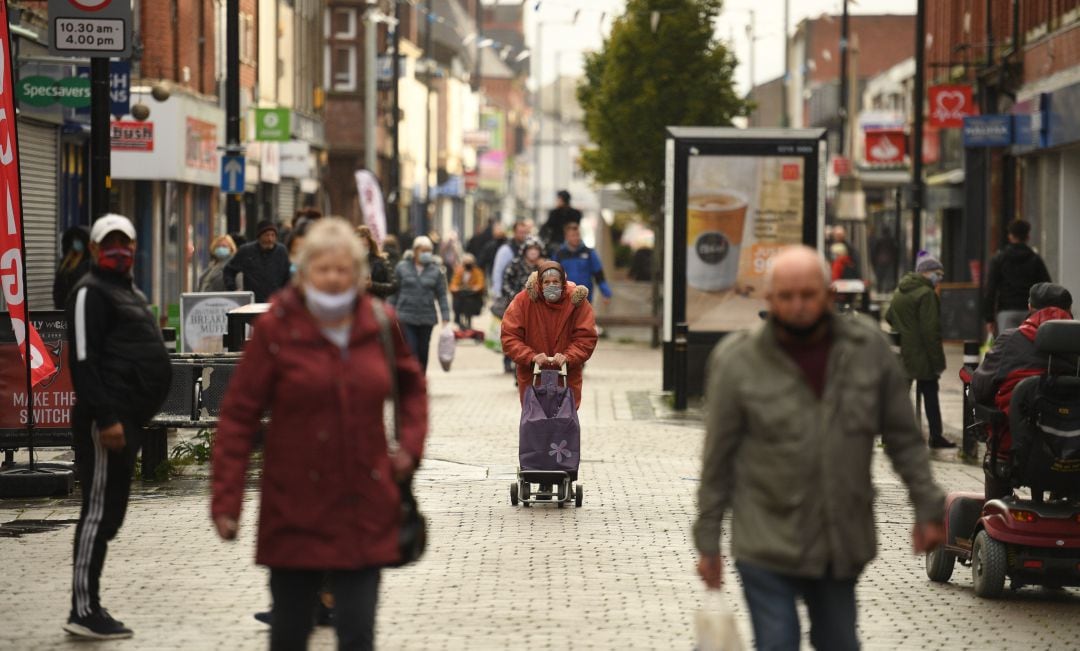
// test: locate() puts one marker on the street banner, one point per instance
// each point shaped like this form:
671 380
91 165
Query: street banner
885 147
950 104
371 203
12 256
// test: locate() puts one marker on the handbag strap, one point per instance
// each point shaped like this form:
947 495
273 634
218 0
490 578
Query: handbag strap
388 349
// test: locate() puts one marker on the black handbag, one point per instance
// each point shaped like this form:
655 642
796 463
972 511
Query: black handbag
412 531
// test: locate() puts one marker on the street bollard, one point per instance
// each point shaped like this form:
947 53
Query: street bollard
680 365
169 335
970 447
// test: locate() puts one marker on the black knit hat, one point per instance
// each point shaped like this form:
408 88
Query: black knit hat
1043 295
263 226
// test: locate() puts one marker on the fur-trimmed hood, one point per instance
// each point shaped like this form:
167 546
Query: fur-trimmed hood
577 293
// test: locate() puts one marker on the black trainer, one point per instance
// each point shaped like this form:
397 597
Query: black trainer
941 443
97 625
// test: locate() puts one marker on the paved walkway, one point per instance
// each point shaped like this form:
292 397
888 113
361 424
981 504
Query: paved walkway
617 574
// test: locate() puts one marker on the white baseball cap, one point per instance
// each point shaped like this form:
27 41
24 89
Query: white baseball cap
109 223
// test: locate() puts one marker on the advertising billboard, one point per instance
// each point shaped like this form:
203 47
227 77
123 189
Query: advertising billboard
735 197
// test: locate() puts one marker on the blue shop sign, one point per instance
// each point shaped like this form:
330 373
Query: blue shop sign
988 131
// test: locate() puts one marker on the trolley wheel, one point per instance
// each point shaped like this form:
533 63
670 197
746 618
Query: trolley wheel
579 496
513 494
526 490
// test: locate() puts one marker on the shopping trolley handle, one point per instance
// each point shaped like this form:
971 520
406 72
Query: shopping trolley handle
537 369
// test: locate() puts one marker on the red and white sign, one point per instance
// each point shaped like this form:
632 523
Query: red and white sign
90 5
371 204
950 104
841 166
132 136
12 259
885 147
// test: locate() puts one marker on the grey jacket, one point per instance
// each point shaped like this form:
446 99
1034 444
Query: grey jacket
415 300
795 470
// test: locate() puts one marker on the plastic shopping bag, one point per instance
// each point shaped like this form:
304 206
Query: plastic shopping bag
493 340
985 348
716 628
447 344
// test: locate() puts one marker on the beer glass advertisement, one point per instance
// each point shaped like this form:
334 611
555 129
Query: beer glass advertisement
740 211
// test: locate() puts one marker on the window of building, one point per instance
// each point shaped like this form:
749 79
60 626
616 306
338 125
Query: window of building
343 68
343 23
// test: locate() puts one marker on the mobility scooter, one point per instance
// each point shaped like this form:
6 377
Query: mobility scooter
1035 540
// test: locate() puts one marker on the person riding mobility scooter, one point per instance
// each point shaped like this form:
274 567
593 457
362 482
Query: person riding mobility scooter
1036 540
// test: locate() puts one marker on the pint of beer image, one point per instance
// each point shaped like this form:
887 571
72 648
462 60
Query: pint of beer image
715 224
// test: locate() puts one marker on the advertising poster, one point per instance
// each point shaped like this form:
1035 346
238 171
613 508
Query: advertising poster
204 319
740 211
53 398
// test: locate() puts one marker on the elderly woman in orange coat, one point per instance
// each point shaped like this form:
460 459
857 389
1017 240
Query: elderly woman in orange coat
550 323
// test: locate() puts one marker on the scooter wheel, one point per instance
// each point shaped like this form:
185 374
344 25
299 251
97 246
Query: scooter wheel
940 564
989 565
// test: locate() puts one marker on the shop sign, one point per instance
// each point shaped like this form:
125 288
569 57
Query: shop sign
988 131
950 104
39 90
886 147
272 124
295 160
133 136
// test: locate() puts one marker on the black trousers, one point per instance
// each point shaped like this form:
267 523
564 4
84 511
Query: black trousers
928 389
105 480
356 593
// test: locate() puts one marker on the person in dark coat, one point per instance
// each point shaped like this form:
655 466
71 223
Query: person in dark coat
915 313
264 263
330 504
486 259
421 285
563 214
73 266
1014 358
478 241
381 281
121 374
1011 273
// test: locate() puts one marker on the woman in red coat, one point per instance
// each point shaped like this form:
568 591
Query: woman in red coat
550 323
329 501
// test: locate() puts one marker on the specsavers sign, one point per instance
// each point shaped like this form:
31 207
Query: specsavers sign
39 90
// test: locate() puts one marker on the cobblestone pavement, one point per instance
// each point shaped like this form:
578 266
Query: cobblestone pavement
616 574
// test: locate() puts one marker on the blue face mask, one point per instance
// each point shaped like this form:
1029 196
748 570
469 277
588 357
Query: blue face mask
77 246
292 268
222 252
426 257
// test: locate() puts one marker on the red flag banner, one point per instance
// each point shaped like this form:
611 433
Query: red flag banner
950 104
12 274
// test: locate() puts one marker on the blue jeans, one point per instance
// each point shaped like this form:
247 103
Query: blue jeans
771 598
419 339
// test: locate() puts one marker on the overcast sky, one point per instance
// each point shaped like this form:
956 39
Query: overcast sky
567 42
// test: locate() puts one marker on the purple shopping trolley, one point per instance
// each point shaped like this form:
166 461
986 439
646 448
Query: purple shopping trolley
549 443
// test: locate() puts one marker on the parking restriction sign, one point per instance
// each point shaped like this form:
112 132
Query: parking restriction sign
90 28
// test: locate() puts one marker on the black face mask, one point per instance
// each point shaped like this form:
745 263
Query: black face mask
801 332
469 266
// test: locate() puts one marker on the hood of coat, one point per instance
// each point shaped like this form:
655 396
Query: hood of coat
577 293
912 282
1031 325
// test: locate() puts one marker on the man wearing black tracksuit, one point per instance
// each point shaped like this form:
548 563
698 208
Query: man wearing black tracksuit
121 373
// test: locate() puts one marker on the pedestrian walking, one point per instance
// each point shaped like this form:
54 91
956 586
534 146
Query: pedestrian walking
486 257
467 286
1009 277
222 249
392 249
514 278
505 255
552 231
478 241
74 264
450 251
550 322
915 313
1014 358
793 408
582 265
843 265
121 374
422 284
381 281
330 506
264 263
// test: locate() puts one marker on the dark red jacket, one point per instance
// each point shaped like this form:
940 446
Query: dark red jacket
328 498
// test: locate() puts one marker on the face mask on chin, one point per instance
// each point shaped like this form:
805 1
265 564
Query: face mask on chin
117 259
328 307
800 332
